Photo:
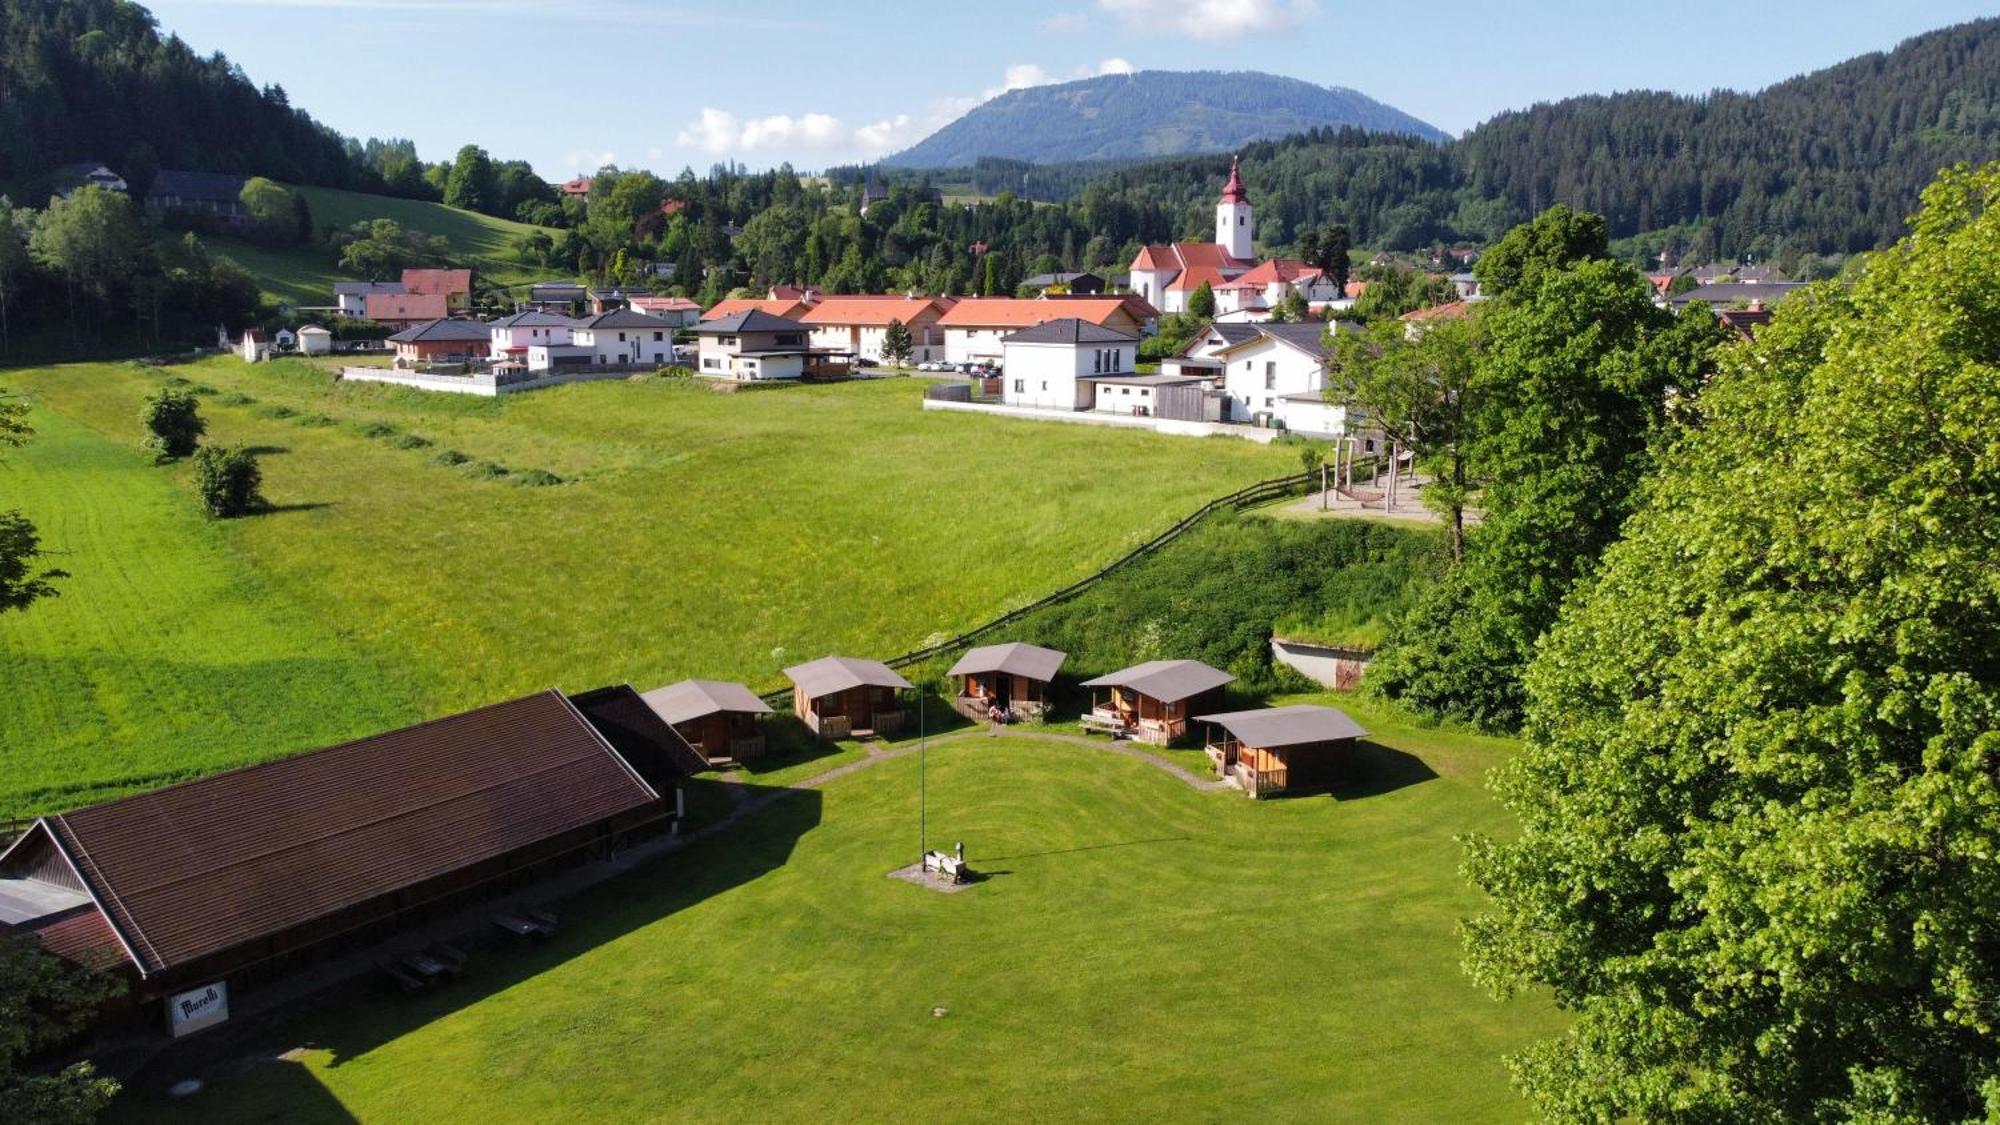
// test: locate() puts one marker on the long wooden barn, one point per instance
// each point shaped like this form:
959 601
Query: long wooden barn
247 875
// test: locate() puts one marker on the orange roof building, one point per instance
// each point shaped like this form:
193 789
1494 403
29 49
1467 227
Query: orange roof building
790 310
974 327
859 325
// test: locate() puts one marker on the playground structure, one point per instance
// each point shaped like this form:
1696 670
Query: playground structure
1337 476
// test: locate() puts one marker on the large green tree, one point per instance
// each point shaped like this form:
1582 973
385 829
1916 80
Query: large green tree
94 241
21 581
1574 381
472 184
44 1002
1759 855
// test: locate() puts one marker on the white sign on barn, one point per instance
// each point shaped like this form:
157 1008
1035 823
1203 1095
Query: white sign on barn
197 1008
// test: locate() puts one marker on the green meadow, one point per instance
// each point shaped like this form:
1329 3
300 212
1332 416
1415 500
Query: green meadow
1139 951
687 532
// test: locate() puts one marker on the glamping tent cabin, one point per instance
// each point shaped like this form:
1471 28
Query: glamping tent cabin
846 697
718 718
1011 678
1276 749
1151 702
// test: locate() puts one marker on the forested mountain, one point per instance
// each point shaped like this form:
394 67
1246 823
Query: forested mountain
95 80
1830 162
1150 113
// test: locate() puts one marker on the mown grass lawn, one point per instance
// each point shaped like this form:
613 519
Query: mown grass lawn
1142 951
695 533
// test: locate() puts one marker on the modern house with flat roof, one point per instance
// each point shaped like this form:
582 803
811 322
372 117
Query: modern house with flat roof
1151 702
1275 750
1054 365
847 697
622 337
755 345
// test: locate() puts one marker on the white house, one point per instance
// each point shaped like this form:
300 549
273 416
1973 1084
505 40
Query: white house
1167 275
352 296
622 336
975 327
1269 374
753 345
1052 365
514 335
314 340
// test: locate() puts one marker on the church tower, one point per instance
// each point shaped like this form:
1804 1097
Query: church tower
1234 223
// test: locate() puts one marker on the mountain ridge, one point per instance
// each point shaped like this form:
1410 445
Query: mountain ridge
1150 113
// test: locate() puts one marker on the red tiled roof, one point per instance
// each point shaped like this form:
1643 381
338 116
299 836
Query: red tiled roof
405 306
1279 269
578 186
1191 278
1015 312
790 310
872 311
663 304
444 283
1451 311
1187 255
1232 192
195 869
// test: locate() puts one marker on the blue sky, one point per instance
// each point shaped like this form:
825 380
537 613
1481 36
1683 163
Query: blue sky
666 84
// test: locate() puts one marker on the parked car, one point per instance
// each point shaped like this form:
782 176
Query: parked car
864 361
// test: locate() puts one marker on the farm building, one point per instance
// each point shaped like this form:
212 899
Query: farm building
1280 749
1012 679
717 718
243 877
846 697
1151 702
314 340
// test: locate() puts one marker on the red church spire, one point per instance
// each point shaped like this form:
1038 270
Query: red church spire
1232 192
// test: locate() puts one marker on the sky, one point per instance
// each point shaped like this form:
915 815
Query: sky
570 85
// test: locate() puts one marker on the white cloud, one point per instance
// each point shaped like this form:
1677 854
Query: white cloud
1114 65
1066 22
720 133
589 161
1211 19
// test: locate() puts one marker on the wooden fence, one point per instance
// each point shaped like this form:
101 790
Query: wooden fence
1263 492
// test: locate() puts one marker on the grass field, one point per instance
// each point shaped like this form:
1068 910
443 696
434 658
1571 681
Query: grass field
694 533
304 275
1141 951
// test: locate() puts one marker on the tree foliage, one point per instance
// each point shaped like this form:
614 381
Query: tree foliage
896 344
173 423
1758 807
1201 302
43 1003
228 480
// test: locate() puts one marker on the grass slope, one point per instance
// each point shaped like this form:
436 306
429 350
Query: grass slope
1142 951
165 655
696 534
304 275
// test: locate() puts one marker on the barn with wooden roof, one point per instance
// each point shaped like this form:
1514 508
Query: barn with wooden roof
247 875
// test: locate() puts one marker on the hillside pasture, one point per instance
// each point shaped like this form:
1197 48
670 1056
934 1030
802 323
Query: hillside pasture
1139 951
591 534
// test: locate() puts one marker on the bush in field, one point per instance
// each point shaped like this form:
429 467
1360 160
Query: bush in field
228 479
173 423
449 458
537 478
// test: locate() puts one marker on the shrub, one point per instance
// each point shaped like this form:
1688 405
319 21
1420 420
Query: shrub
485 470
315 420
236 398
377 430
449 458
228 479
278 411
537 478
201 389
411 441
173 423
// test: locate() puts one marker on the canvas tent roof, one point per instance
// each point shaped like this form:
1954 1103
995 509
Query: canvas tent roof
1015 659
1168 681
694 699
1297 725
830 675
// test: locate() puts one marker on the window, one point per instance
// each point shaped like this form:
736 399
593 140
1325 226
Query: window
1369 446
1097 361
1045 384
727 341
1021 386
658 336
1270 375
621 337
791 339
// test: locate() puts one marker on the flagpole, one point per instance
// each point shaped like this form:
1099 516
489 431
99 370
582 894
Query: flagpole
923 784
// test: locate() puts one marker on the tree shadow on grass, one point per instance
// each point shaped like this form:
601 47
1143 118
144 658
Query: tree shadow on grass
265 450
1372 769
280 509
1085 848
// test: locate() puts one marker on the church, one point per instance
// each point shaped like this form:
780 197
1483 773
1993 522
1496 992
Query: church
1245 290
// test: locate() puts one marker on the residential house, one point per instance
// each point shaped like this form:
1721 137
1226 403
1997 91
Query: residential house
790 308
624 337
1268 374
1467 285
1082 283
315 340
578 189
857 326
616 297
514 337
455 286
1054 365
1265 286
1151 702
1277 750
846 697
754 345
975 326
1738 294
564 298
351 297
803 294
1006 681
404 310
211 195
250 874
677 311
442 341
717 718
89 173
1451 310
